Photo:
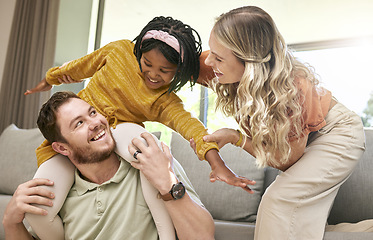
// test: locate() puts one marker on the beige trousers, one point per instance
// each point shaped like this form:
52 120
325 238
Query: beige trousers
297 204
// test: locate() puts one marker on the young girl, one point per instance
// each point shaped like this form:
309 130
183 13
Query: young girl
136 83
289 123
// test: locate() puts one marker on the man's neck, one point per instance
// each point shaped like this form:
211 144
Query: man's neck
100 172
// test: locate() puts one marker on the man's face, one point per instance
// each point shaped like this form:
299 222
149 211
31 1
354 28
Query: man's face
87 132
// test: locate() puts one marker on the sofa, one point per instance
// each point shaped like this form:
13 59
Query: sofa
234 210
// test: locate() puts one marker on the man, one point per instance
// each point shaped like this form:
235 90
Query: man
106 200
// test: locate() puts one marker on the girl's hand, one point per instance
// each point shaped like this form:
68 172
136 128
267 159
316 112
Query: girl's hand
223 173
223 136
41 87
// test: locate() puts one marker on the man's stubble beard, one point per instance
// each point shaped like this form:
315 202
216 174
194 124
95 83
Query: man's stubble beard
87 156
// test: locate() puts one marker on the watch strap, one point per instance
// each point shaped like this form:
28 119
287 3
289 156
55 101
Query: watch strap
177 191
167 197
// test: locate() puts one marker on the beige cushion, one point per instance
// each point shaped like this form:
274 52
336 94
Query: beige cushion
17 156
224 202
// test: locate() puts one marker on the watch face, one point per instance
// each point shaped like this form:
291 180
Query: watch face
178 190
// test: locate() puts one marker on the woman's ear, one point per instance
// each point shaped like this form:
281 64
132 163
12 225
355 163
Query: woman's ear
60 148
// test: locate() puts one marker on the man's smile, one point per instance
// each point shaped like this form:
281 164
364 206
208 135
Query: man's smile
99 135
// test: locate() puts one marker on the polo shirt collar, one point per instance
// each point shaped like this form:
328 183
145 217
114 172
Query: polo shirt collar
82 186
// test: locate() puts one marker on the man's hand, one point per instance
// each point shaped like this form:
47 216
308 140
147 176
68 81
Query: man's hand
153 162
24 197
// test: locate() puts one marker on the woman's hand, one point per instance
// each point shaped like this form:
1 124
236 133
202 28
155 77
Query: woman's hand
223 136
66 79
42 86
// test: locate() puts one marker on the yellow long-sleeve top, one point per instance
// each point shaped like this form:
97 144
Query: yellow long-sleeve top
117 90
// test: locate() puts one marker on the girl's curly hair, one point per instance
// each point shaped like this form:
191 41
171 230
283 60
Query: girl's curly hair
190 45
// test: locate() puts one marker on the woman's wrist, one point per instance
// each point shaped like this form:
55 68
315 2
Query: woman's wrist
238 143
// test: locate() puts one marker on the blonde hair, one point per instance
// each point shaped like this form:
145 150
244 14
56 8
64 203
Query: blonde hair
266 102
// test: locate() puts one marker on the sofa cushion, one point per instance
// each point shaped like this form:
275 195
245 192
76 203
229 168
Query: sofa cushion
234 230
224 202
17 156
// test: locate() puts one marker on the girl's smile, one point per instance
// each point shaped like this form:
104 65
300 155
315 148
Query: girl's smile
156 69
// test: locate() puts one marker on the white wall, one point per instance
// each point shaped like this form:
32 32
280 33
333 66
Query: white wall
317 20
298 20
6 18
72 36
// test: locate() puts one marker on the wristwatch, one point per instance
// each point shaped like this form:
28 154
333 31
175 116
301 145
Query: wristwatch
177 191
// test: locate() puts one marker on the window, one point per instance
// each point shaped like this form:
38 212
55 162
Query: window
345 71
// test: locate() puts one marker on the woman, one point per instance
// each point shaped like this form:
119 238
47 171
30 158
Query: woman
288 121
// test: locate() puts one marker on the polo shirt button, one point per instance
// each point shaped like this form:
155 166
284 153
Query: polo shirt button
99 203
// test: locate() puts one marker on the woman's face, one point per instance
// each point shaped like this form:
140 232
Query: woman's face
227 67
157 71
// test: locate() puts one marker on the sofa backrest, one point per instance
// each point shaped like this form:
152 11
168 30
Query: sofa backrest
223 201
17 156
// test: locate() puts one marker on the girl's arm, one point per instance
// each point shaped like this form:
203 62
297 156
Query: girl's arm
77 70
80 68
171 113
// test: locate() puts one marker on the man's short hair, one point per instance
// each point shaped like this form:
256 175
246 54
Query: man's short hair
47 119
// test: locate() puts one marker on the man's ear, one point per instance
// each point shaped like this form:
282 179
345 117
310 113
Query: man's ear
60 148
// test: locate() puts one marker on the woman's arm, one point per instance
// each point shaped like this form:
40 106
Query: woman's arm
206 74
227 135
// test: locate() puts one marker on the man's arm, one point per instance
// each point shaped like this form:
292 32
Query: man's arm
25 195
191 220
188 213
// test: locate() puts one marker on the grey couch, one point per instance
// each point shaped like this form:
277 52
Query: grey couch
234 210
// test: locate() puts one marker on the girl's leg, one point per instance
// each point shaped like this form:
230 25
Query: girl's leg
60 170
123 135
298 202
